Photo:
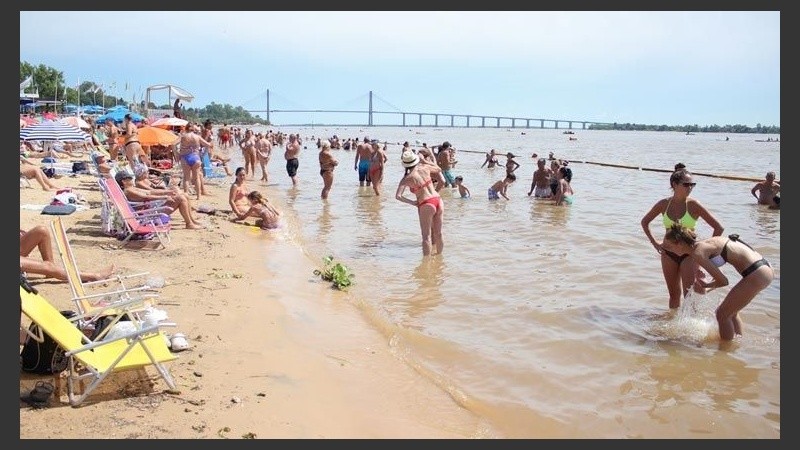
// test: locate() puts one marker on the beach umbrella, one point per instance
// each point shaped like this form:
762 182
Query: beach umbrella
53 131
75 121
166 122
118 116
156 136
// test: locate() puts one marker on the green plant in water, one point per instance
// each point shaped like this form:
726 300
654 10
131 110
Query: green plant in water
337 273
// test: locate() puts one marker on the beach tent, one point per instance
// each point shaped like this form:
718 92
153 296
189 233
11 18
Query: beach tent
173 91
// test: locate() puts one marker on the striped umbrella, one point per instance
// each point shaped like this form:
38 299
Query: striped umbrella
53 131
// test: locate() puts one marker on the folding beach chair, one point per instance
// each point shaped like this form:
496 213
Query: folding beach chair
95 360
85 302
139 223
210 171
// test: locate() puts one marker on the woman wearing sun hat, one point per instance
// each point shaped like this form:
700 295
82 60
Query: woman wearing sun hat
419 178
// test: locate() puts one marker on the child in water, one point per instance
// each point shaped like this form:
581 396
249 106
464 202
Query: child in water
500 187
260 208
463 190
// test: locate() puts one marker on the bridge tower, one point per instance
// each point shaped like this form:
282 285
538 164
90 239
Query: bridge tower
370 110
268 108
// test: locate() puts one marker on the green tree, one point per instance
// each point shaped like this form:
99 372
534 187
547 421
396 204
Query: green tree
45 78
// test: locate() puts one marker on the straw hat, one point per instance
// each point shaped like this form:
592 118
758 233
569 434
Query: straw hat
409 159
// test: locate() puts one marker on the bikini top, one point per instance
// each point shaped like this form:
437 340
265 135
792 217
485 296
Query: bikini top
722 258
687 220
416 189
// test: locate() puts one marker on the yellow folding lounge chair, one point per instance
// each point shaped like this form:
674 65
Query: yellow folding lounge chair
85 302
94 361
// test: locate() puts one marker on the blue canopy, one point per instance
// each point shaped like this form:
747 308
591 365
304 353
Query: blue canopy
118 116
93 109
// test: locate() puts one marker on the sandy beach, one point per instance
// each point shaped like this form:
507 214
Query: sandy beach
276 356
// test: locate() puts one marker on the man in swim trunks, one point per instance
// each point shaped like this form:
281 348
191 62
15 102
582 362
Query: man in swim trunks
363 155
540 185
445 160
291 154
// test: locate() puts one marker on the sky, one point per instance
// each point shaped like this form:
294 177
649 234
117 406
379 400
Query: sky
652 67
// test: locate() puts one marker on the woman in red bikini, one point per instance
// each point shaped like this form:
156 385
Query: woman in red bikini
419 179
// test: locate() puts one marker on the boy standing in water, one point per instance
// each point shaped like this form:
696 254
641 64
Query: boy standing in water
463 190
500 187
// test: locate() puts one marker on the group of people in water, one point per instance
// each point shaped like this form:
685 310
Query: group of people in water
687 261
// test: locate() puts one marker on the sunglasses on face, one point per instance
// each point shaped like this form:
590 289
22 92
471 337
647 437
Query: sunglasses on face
687 184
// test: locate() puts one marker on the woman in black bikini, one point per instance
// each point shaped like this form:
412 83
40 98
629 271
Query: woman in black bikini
132 145
714 252
418 179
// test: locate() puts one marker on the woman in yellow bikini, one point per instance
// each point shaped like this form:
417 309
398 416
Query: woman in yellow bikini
679 271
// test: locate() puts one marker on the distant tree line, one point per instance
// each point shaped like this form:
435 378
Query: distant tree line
689 128
51 85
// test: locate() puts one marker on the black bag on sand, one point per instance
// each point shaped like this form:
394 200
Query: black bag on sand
46 357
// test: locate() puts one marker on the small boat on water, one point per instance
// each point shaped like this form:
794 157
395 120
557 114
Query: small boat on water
569 132
768 140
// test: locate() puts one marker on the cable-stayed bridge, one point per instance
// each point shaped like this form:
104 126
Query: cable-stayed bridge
371 116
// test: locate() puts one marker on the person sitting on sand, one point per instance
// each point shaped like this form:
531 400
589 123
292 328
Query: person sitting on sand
268 216
29 170
39 237
173 201
237 196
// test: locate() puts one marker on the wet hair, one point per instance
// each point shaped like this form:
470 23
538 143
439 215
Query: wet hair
567 173
770 174
678 175
680 234
255 196
680 166
239 170
511 177
459 178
